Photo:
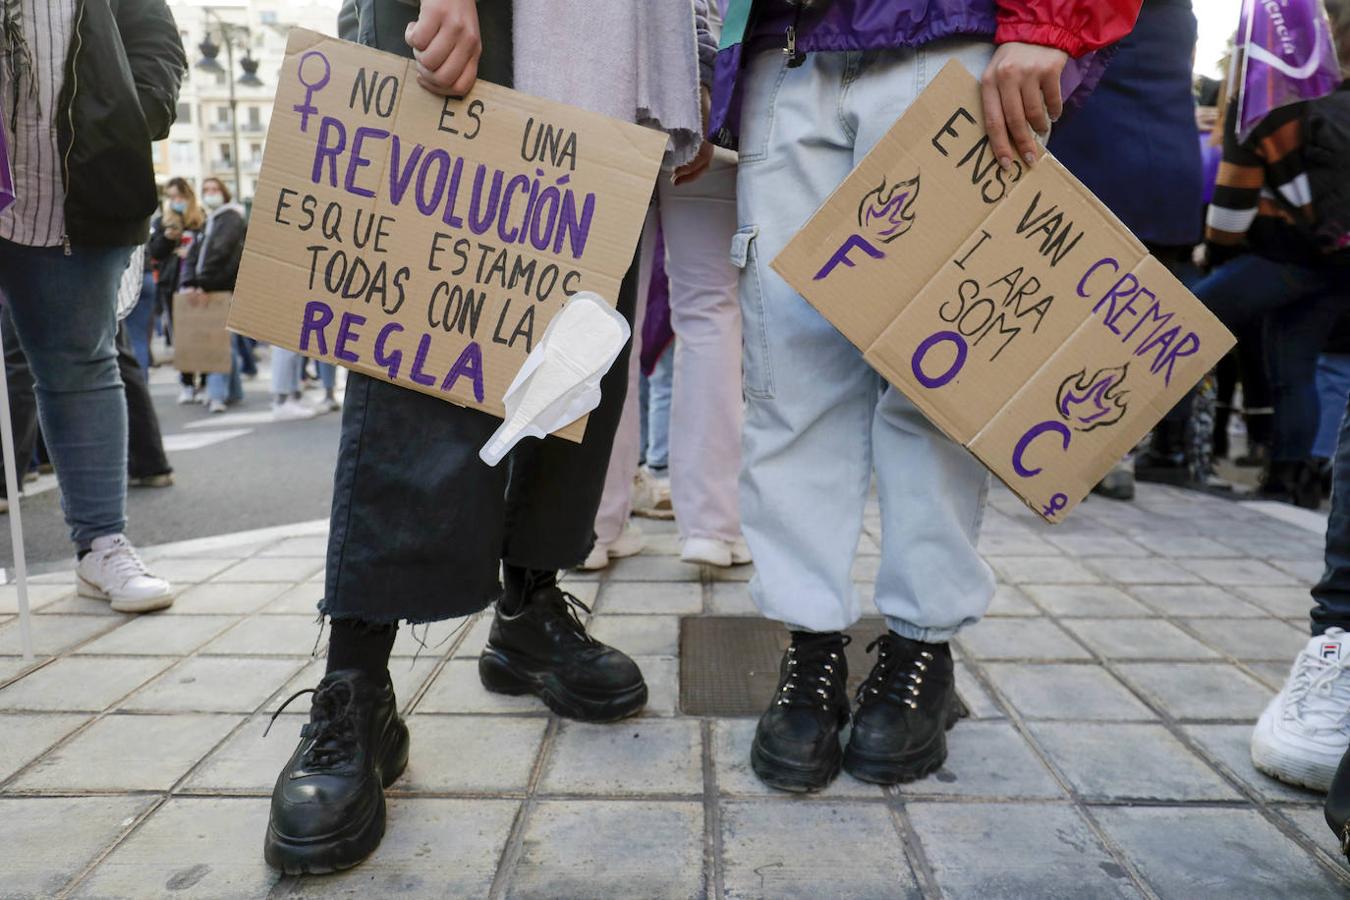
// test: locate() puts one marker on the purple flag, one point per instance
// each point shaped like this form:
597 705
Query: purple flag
1287 56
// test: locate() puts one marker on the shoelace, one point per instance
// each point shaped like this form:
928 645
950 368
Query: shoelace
811 673
1320 678
570 609
122 560
888 661
332 727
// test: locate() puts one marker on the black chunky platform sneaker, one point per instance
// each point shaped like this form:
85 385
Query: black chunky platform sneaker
796 745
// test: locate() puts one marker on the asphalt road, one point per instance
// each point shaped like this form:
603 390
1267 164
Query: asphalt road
232 472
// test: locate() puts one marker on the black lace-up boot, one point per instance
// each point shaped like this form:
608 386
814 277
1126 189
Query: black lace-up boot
904 710
542 648
328 803
796 745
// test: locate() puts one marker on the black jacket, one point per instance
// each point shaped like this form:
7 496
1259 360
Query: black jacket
123 68
213 261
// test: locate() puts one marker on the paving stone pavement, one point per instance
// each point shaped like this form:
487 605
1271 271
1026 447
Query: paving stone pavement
1112 689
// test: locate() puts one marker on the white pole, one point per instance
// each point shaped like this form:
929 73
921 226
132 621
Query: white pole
12 485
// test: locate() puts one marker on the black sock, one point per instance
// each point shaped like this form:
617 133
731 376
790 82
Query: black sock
520 583
364 646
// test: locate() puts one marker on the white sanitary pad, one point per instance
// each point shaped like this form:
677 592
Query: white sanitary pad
560 380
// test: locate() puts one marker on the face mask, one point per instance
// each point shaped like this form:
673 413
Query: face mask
211 201
178 206
560 380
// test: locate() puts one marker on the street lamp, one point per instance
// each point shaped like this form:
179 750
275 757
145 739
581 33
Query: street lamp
210 50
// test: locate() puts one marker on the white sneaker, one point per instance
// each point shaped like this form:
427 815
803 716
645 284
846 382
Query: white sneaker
215 407
291 411
1305 730
327 405
715 552
740 553
187 395
112 571
629 543
651 495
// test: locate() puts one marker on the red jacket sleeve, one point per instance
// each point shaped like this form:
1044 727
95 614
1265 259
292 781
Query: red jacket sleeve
1074 26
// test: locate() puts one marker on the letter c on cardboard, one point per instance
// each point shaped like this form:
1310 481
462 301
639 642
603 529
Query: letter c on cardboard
1025 441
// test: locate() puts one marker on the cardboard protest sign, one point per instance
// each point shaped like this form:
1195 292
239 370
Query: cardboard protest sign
1013 308
425 240
200 342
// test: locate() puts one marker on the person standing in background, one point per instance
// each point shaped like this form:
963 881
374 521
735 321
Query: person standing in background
86 191
212 264
177 229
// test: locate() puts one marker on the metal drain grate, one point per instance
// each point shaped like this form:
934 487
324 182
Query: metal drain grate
729 664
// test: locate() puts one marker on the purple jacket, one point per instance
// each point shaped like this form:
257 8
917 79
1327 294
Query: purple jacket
856 25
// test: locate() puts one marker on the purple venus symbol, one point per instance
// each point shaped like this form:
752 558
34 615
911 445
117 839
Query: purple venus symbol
304 109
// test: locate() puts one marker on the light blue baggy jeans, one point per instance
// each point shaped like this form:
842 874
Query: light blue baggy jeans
819 420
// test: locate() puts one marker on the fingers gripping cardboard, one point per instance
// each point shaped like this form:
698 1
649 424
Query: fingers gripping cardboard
1012 307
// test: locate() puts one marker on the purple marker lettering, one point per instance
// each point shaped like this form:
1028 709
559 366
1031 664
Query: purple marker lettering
841 255
470 365
357 161
317 317
1025 440
416 373
391 360
928 343
347 332
323 151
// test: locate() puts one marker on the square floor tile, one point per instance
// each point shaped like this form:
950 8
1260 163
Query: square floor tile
474 642
732 599
735 778
1019 639
1195 601
1014 543
1041 569
979 702
611 848
301 600
55 634
220 597
1238 571
1066 692
269 636
1306 571
1177 546
1087 546
1011 601
248 763
189 847
309 545
432 848
214 684
1199 690
81 683
815 850
40 596
1128 762
49 840
1034 850
1130 570
458 690
26 736
280 568
1313 823
639 635
642 756
1215 853
662 674
1095 600
654 568
480 754
1231 747
1279 601
128 753
991 760
159 635
187 570
1138 639
644 598
1265 639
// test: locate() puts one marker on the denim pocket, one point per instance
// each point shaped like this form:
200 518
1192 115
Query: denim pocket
759 95
756 366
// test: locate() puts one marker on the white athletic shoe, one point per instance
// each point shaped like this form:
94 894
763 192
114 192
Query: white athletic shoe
651 495
187 395
215 407
291 411
629 543
112 571
1305 730
715 552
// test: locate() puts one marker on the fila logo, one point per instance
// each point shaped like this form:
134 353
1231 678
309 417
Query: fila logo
1331 651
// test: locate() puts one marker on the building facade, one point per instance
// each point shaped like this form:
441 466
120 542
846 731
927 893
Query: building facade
208 137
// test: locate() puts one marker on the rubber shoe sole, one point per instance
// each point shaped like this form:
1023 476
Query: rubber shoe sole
502 676
1301 769
907 767
785 776
343 849
91 591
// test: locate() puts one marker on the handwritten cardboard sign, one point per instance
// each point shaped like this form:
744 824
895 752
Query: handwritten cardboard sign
1013 308
200 342
427 241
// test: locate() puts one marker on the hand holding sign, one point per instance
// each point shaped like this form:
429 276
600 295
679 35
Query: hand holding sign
1020 89
447 45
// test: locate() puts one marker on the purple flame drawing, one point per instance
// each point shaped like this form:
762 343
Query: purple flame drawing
885 213
1093 402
